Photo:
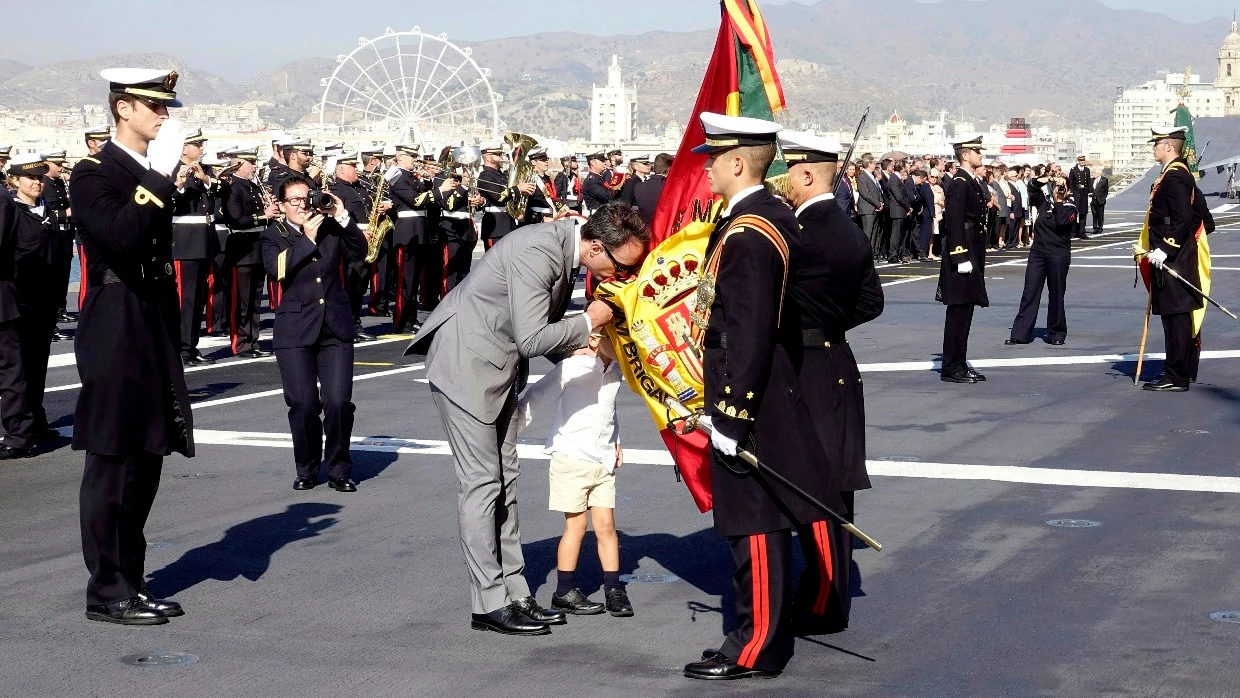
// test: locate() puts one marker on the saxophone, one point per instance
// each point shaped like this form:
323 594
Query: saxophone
376 230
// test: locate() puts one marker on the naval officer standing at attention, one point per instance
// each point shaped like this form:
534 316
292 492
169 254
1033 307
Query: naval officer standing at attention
133 408
961 284
478 342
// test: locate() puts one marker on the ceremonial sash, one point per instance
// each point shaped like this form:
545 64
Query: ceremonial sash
1203 248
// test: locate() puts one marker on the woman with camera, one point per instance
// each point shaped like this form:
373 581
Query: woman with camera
1049 257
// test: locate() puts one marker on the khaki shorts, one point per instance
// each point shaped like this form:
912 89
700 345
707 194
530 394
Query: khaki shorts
577 485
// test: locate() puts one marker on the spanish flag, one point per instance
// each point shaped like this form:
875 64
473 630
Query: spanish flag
652 327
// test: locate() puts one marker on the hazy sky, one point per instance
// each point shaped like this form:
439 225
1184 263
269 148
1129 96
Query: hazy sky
251 36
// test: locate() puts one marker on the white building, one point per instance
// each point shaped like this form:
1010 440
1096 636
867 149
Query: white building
1228 79
613 110
1141 108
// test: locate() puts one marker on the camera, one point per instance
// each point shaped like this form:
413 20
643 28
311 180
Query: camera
318 200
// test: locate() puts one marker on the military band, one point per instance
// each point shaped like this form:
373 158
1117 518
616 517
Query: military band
56 205
194 242
249 213
415 240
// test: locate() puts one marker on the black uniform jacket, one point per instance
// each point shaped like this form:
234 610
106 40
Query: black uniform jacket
56 206
493 186
1080 181
835 288
353 196
10 220
36 256
1056 224
537 205
311 284
133 395
245 211
410 203
752 391
646 196
568 188
964 240
1175 216
453 205
594 192
193 219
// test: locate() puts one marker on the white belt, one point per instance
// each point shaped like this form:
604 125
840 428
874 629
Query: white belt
363 227
570 198
191 219
495 209
546 211
456 214
411 214
221 228
250 230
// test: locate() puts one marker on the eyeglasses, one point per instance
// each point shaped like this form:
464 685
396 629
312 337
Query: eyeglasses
626 269
297 201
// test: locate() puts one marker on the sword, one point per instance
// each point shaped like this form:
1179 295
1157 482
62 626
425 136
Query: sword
1138 252
691 420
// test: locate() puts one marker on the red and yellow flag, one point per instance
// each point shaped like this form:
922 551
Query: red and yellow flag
652 327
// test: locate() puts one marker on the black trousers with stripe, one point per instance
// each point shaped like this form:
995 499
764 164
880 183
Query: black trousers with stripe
115 500
243 313
823 597
193 294
412 262
762 585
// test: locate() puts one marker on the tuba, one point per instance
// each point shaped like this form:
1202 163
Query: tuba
517 147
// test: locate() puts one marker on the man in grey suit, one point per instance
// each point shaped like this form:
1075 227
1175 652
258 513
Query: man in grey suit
478 342
869 201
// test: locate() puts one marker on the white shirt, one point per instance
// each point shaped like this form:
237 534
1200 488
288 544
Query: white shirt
581 394
141 159
740 196
821 197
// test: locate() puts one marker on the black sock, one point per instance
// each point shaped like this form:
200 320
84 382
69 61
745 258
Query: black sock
565 581
611 580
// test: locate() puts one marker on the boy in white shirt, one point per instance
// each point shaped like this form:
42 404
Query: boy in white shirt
585 453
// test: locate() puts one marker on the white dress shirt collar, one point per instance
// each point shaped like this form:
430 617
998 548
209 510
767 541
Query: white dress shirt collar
140 159
821 197
740 196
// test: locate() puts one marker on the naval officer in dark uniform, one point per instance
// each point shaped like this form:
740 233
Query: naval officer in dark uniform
133 408
1177 218
834 289
753 400
1080 183
194 242
594 191
961 284
418 252
456 228
348 187
496 194
313 336
248 215
56 205
568 183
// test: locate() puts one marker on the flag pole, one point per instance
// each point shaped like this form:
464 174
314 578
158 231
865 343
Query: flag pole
1145 333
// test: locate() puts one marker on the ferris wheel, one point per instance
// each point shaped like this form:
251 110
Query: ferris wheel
412 87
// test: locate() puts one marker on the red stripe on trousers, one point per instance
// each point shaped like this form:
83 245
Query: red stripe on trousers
761 601
210 318
82 282
374 287
176 264
825 571
232 313
443 290
273 295
399 313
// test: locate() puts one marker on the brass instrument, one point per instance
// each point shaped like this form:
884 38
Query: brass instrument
376 228
517 148
469 158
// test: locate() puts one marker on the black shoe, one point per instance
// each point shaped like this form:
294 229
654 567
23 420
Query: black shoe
710 652
187 360
55 336
1164 385
1012 340
127 612
508 621
200 360
305 483
168 607
8 452
957 377
976 376
45 434
720 668
254 353
361 336
618 602
577 603
381 312
1083 237
61 334
342 484
64 317
530 608
893 260
1056 342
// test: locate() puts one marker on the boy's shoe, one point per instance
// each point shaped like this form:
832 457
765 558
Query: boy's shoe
618 602
576 603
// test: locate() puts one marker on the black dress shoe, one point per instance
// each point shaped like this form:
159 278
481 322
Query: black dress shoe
720 668
1012 340
254 353
976 376
187 360
1165 385
55 336
1056 342
618 602
8 452
45 434
342 484
383 312
200 360
168 607
305 483
361 336
127 612
538 614
508 621
64 317
957 377
577 603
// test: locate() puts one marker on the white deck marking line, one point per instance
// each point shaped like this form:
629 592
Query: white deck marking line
891 367
222 363
1174 482
1128 267
280 391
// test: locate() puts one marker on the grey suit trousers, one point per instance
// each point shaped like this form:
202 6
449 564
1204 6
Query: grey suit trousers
487 467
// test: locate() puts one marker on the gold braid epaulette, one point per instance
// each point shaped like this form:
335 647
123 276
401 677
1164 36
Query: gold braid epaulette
767 230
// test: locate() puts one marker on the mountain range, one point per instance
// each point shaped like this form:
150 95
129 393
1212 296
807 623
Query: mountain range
1061 60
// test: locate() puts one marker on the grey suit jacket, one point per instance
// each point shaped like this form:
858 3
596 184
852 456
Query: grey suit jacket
509 307
869 194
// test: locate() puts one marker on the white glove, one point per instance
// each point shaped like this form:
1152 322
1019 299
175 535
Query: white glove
722 443
964 268
164 152
1157 258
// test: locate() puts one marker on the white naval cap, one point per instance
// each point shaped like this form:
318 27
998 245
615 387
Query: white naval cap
972 141
28 164
348 159
240 153
805 147
212 161
1175 133
56 156
149 83
408 149
5 150
99 133
724 132
302 144
492 148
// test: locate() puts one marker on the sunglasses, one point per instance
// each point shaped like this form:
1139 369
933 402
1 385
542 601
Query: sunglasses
625 269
